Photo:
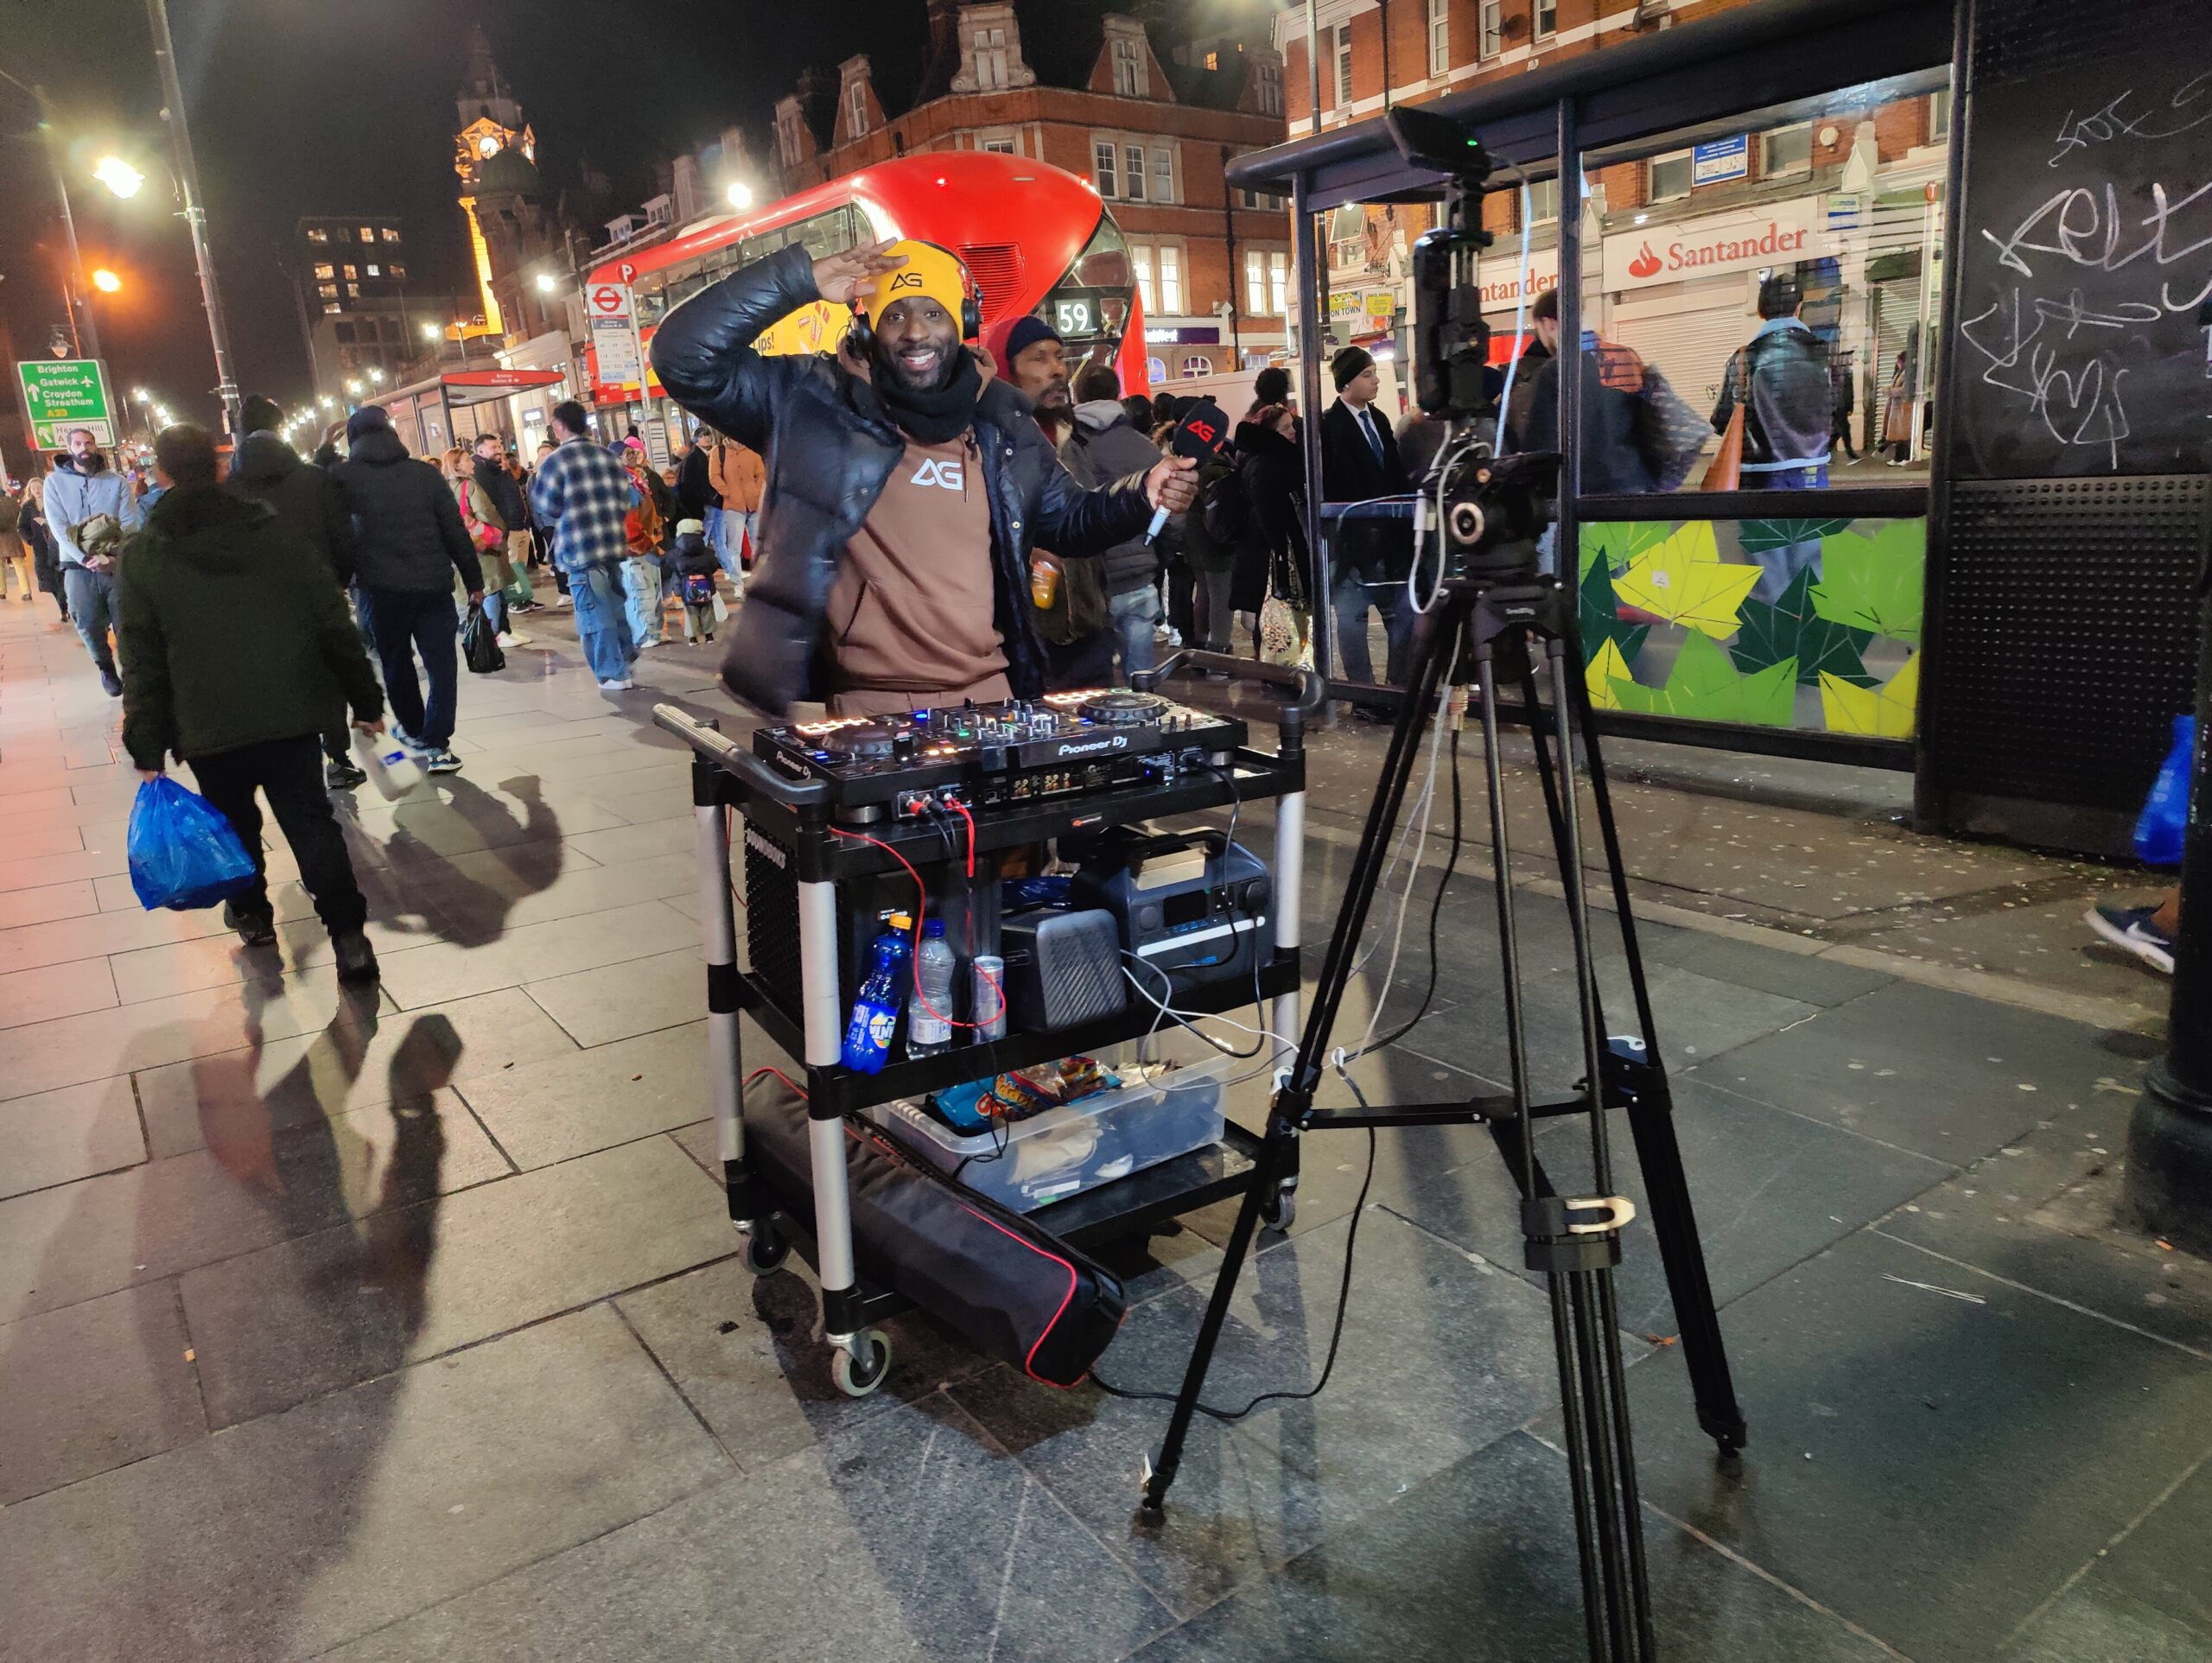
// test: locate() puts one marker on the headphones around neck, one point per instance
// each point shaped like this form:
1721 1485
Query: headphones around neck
862 334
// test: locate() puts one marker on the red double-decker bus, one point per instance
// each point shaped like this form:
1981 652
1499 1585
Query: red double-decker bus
1035 238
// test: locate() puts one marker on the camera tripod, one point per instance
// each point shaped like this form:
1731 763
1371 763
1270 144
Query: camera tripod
1480 628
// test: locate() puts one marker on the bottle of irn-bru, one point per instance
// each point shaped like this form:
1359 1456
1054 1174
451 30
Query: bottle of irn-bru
1044 579
875 1010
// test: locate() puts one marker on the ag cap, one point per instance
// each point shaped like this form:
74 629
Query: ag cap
931 272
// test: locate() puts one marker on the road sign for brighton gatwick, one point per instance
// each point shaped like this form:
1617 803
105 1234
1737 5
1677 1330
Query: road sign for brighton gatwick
62 394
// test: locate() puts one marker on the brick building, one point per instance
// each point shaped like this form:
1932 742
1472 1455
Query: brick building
1850 195
1149 113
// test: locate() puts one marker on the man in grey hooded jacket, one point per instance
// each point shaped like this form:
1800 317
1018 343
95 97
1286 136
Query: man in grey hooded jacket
1102 446
90 510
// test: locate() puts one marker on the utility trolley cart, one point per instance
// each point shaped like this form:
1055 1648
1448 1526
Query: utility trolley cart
845 819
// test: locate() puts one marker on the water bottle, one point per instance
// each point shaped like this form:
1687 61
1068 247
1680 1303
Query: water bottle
390 769
875 1011
929 1014
990 996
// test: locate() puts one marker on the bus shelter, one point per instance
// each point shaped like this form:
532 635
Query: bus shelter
457 407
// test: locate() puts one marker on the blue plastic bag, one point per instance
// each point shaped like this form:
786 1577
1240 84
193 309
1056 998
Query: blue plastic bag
183 853
2163 827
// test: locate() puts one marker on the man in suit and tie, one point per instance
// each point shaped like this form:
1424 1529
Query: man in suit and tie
1360 462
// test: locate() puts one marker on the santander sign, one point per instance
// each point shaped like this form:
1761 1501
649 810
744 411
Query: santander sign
1697 248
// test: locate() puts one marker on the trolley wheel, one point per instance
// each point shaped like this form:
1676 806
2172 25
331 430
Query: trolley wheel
855 1380
1282 1212
764 1249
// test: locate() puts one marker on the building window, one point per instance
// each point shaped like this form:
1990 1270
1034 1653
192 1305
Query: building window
326 271
1197 364
1544 202
1001 144
1163 173
374 271
1670 176
1213 62
1170 278
1128 69
1264 200
1268 79
855 111
989 45
325 291
1102 169
351 272
1133 172
1440 36
352 291
317 234
1266 282
329 309
1343 65
1546 18
1786 150
389 234
397 270
345 333
368 233
787 137
1489 35
1141 257
1939 116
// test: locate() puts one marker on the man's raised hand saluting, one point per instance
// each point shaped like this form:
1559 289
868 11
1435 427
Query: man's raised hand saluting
841 278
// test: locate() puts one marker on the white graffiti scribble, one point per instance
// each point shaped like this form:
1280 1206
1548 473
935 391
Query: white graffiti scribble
2112 123
2080 405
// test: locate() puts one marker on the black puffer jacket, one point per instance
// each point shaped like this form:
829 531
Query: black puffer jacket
1103 445
829 446
406 524
1272 553
309 504
505 491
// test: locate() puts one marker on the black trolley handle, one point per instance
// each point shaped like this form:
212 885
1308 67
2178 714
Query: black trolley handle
755 777
1291 716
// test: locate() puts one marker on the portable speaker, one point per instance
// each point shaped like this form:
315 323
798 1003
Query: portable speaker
1062 968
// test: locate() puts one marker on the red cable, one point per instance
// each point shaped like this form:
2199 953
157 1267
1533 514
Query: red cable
780 1074
921 908
961 808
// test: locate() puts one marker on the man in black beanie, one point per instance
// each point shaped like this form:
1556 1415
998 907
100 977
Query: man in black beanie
1359 462
310 511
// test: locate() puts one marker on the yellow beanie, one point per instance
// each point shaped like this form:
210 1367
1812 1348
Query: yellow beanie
929 271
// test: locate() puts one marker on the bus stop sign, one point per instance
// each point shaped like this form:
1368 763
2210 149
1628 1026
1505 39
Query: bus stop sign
62 394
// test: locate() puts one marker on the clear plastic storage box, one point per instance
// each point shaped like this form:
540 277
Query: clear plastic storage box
1161 1110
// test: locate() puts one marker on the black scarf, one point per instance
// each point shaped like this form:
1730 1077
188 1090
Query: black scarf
936 414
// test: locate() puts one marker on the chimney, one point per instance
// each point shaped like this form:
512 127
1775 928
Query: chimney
944 45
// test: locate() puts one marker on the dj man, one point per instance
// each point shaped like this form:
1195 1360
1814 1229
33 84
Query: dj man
904 488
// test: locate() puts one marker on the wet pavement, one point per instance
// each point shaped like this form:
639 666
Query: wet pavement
408 1325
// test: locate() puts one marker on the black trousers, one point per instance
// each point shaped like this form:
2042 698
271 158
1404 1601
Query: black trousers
288 773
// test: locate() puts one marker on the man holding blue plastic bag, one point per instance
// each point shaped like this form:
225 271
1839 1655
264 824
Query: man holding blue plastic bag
238 655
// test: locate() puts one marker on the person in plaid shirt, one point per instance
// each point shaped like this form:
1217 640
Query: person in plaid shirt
583 494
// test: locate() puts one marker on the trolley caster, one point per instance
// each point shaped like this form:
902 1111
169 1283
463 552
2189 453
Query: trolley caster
858 1379
1280 1214
764 1250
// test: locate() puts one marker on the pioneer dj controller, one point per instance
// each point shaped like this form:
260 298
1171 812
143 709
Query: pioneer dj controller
1014 752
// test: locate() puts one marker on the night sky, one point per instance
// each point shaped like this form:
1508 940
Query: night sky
337 106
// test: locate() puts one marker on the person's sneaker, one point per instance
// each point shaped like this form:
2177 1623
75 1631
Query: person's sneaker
255 929
2131 929
514 638
440 761
564 600
527 606
111 684
624 685
408 743
355 958
340 775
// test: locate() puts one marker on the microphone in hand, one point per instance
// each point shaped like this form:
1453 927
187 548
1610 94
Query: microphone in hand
1201 435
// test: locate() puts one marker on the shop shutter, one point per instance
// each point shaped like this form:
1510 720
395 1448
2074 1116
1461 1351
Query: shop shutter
1691 348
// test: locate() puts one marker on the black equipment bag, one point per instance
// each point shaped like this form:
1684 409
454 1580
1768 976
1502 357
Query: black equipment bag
1016 1292
479 644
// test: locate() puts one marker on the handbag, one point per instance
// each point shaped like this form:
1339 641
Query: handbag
1669 435
1725 472
1285 637
479 644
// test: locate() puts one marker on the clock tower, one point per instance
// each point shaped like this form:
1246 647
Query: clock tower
491 126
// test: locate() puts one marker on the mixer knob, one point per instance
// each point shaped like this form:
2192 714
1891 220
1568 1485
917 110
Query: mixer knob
904 745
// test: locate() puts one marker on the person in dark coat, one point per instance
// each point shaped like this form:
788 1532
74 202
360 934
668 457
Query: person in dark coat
236 647
1272 554
46 559
1104 444
1360 462
410 543
310 509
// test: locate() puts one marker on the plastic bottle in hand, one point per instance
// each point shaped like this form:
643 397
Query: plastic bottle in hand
390 769
929 1023
866 1045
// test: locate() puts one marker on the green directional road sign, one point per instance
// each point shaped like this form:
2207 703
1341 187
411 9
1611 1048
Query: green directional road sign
60 394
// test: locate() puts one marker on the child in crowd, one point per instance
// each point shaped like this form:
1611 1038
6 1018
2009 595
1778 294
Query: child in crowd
693 566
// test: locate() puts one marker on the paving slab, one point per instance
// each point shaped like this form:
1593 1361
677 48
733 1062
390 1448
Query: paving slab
290 1536
2094 1622
320 1312
435 974
68 899
618 1002
94 1387
58 1136
557 1106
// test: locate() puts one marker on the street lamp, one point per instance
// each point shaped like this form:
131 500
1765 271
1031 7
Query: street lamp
354 388
376 376
106 282
740 194
546 284
118 175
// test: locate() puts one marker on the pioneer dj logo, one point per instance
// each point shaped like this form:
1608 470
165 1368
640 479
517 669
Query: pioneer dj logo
932 471
1090 747
767 851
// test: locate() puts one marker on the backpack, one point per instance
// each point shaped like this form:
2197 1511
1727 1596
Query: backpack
1224 510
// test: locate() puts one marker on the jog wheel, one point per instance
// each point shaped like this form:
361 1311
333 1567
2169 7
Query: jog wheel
1123 709
869 741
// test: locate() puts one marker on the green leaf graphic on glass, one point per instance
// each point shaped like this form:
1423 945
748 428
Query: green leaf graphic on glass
1622 541
1704 684
1791 629
1600 617
1757 537
1874 583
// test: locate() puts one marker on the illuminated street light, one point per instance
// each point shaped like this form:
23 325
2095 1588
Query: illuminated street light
546 285
328 401
140 394
376 378
354 388
740 194
106 282
432 331
118 175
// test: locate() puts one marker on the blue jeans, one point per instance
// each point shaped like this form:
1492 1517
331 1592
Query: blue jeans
641 583
1350 596
92 609
1135 612
1780 566
726 530
404 624
601 629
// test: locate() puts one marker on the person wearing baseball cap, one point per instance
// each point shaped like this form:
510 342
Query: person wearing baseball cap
906 487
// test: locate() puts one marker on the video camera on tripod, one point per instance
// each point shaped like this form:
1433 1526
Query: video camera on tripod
1489 509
